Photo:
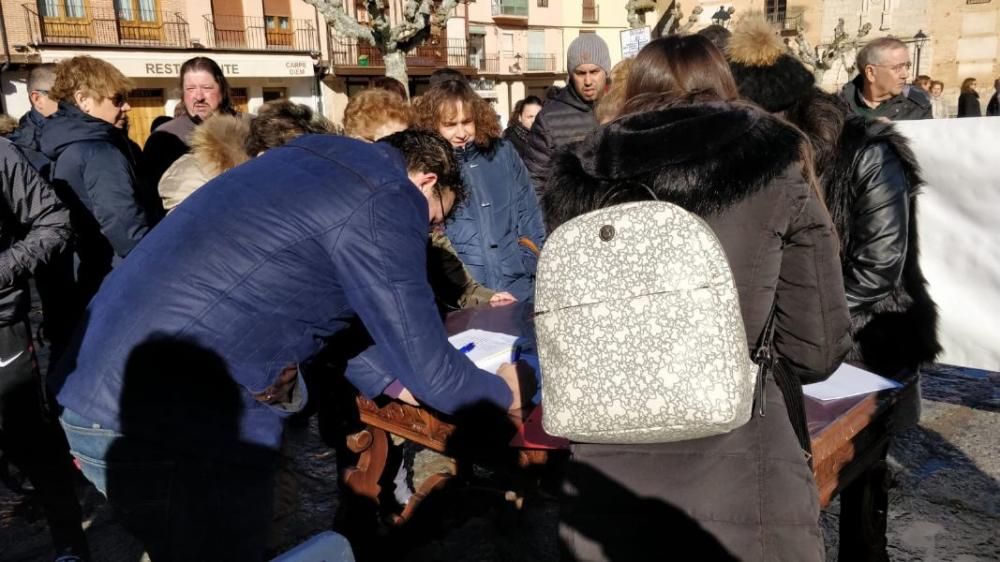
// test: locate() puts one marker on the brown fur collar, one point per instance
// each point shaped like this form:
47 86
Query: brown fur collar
704 157
218 144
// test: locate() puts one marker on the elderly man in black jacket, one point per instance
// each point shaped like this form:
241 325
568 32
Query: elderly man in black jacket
880 90
569 115
870 180
34 227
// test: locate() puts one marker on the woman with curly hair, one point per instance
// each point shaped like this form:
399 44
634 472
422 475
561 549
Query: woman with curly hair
494 229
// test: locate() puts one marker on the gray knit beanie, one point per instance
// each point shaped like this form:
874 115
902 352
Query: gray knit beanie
588 48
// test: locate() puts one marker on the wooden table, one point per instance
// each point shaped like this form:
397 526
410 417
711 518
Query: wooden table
850 440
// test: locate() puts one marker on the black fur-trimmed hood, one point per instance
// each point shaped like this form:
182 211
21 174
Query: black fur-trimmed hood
704 157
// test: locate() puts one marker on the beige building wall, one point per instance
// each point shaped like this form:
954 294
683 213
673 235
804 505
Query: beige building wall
611 20
963 38
963 44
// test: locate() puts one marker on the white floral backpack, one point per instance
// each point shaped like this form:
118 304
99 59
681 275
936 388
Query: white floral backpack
640 335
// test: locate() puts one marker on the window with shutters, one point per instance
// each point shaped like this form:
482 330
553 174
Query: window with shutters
65 18
139 19
278 23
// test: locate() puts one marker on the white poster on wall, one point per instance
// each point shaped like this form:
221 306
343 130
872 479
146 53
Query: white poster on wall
959 227
633 40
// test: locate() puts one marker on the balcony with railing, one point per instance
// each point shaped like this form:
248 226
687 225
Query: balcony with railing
591 13
510 11
787 23
81 24
270 33
540 62
349 52
503 64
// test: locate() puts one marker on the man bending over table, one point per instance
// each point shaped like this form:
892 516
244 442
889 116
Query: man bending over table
184 369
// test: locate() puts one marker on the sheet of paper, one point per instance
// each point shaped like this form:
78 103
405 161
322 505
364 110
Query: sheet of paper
490 349
848 381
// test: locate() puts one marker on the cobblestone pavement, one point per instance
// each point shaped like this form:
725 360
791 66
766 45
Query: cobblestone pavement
945 506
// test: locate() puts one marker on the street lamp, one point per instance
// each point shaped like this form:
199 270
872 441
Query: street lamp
721 17
921 39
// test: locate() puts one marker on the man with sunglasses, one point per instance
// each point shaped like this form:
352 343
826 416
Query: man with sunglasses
880 91
93 170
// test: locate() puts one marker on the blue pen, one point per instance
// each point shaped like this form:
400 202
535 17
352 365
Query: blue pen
467 347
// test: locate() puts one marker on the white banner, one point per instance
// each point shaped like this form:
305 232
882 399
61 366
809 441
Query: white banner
959 228
168 64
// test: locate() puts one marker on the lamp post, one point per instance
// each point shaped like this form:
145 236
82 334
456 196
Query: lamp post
921 39
721 17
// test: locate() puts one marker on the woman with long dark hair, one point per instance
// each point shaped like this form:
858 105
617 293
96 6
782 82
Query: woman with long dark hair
968 100
685 138
518 131
502 208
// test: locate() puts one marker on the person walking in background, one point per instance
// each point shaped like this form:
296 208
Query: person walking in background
939 109
877 92
993 107
34 229
502 207
93 171
968 100
518 131
569 115
204 91
685 138
923 82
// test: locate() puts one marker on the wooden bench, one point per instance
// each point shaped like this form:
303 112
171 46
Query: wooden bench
850 440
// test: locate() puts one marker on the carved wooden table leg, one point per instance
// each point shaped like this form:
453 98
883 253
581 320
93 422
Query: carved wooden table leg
864 507
372 444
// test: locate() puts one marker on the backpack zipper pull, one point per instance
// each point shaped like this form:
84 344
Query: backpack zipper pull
763 360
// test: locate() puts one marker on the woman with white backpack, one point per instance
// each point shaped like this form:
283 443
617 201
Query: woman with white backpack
685 138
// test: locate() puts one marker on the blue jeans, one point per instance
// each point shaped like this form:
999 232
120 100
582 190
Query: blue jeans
181 506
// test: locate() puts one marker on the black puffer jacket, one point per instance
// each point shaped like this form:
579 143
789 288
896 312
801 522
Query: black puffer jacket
565 118
913 103
34 227
871 190
748 494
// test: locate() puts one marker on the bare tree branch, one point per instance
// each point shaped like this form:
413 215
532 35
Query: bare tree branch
823 60
334 13
393 42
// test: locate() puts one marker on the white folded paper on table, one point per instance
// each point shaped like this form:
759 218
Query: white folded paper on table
848 381
490 349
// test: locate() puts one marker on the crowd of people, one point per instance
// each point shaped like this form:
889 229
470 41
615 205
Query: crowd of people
197 291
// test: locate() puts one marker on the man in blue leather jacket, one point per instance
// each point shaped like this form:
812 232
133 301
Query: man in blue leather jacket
183 370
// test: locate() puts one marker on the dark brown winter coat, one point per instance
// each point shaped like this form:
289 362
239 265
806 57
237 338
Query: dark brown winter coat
749 494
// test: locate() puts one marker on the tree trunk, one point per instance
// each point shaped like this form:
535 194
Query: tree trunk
395 67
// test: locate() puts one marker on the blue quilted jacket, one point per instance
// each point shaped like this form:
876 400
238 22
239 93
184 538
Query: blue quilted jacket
258 268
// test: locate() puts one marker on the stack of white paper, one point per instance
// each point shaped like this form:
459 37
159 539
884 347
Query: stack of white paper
848 381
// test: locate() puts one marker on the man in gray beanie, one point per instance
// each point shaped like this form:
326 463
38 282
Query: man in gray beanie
569 115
